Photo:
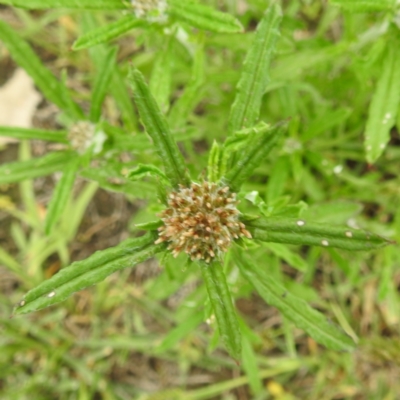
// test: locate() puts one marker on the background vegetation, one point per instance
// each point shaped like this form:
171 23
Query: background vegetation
137 334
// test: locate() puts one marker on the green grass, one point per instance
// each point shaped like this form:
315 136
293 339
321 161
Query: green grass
149 333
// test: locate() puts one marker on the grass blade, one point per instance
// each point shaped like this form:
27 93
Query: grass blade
26 58
254 77
262 139
85 273
204 17
156 126
365 5
38 134
102 81
60 195
107 32
299 232
384 104
30 169
294 308
79 4
223 307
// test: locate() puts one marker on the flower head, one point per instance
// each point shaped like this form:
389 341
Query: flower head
152 10
201 220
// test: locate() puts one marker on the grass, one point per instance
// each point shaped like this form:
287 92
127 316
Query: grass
134 335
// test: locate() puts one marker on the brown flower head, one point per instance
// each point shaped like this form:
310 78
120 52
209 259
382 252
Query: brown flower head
201 220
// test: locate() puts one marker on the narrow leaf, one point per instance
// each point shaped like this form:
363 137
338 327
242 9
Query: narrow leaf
156 126
294 308
102 81
254 77
300 232
79 4
25 57
38 134
264 139
46 165
203 17
108 32
85 273
224 310
61 195
384 105
143 170
214 163
365 5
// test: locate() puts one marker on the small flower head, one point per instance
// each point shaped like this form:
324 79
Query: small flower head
81 135
152 10
202 221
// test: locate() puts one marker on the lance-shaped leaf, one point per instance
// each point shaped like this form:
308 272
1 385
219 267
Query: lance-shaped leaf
38 134
300 232
203 17
25 57
214 163
108 32
260 144
143 170
293 307
384 105
61 194
21 170
79 4
157 127
222 305
365 5
254 77
94 269
102 81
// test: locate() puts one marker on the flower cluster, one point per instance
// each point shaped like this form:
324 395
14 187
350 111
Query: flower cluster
152 10
81 135
202 221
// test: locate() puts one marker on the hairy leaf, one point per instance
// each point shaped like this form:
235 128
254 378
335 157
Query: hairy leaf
80 4
292 307
85 273
31 133
365 5
143 170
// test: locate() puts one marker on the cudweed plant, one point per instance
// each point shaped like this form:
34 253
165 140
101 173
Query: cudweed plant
202 218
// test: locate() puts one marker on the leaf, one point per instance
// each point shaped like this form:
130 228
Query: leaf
37 134
289 256
156 126
85 273
203 17
294 308
365 5
30 169
300 232
143 170
61 195
102 81
254 77
214 163
384 104
222 305
26 58
108 32
264 139
79 4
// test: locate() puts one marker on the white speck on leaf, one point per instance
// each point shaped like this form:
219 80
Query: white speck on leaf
300 222
22 303
325 243
338 169
349 234
51 294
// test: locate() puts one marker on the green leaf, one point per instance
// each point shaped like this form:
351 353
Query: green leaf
157 128
365 5
203 17
294 308
254 77
221 302
300 232
108 32
143 170
214 163
38 134
79 4
85 273
384 105
260 144
26 58
102 81
61 195
289 256
30 169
